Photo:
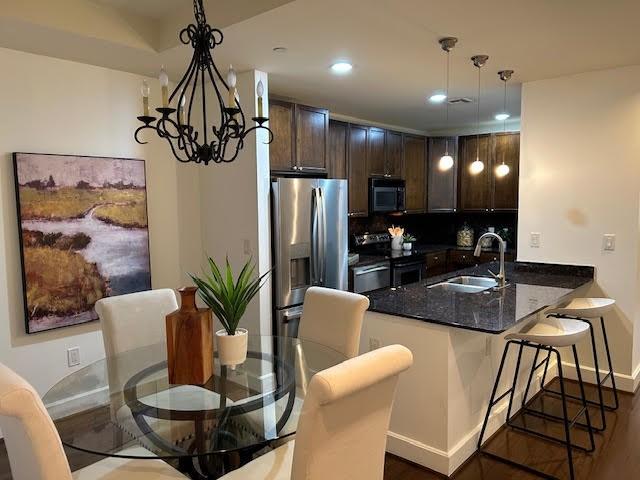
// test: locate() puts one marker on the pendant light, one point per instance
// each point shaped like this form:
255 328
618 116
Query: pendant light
502 170
477 166
446 161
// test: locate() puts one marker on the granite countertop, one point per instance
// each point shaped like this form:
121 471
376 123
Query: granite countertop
531 288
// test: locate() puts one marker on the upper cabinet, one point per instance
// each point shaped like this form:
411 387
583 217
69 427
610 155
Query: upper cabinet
415 173
357 171
505 189
337 161
394 154
485 191
301 138
442 185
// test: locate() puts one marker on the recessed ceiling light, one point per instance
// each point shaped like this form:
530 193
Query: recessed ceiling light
502 116
437 98
341 67
280 49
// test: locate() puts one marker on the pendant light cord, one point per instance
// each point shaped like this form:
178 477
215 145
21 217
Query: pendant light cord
478 120
504 109
446 122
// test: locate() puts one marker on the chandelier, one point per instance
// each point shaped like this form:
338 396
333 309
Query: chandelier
216 144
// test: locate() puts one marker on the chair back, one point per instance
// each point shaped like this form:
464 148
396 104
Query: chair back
342 431
134 320
32 441
333 318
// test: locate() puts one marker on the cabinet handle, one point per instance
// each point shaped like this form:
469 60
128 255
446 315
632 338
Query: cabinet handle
486 209
435 258
295 167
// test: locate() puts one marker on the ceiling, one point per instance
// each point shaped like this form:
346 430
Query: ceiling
392 44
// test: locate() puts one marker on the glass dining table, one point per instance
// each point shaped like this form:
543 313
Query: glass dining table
124 405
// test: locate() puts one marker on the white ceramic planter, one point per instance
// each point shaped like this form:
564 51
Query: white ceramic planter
407 246
396 243
232 349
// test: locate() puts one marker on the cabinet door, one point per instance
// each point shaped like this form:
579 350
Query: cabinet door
281 123
394 152
312 138
337 149
358 180
475 189
415 173
376 158
442 185
505 189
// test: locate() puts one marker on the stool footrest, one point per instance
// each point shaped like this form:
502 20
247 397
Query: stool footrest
576 398
549 437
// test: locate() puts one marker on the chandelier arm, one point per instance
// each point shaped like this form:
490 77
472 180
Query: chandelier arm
215 68
138 130
256 128
223 114
183 81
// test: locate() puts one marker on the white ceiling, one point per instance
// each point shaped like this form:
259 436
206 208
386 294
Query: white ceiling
392 44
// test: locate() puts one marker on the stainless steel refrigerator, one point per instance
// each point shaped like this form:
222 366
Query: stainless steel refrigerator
310 243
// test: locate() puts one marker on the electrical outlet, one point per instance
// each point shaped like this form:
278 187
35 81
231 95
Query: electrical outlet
73 356
535 240
609 242
374 344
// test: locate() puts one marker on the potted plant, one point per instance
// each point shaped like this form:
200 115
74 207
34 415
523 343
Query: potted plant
228 299
396 237
407 241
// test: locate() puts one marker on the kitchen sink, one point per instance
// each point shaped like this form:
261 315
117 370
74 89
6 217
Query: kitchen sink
465 284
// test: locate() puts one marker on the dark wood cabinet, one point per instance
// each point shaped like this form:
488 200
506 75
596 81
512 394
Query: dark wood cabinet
312 138
474 188
436 263
301 138
282 124
442 185
394 154
505 189
337 160
415 173
357 171
376 155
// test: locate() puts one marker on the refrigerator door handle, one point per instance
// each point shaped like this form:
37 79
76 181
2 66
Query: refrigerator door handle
315 240
323 238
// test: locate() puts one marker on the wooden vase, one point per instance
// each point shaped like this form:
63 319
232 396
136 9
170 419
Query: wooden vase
189 341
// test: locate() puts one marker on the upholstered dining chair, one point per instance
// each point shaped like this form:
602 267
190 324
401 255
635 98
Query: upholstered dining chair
342 432
333 318
35 449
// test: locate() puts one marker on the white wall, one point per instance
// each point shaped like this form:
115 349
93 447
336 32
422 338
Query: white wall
56 106
580 179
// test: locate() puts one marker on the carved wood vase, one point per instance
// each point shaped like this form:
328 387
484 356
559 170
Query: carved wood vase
189 341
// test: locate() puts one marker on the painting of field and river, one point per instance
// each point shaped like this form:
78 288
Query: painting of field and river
84 234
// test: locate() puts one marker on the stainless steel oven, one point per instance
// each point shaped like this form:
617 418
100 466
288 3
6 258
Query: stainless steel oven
405 272
386 195
371 277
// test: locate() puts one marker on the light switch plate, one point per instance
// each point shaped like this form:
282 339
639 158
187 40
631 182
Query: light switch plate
535 240
73 356
609 242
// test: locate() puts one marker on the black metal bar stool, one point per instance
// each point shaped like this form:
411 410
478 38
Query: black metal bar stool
546 335
585 310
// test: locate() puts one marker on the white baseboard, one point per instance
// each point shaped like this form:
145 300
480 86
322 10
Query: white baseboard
625 383
447 462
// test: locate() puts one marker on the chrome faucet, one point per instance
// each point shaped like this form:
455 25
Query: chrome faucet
500 277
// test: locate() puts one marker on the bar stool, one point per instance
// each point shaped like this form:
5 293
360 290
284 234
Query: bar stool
585 309
549 335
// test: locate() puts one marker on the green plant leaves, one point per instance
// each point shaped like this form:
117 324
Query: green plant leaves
228 299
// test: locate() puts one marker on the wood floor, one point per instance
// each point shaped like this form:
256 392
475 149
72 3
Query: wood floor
617 454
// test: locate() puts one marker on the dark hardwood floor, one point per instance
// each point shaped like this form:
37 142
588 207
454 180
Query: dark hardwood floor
617 454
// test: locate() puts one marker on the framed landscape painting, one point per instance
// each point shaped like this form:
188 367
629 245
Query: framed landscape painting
83 234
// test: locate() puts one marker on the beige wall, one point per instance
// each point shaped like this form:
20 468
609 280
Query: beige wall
56 106
580 179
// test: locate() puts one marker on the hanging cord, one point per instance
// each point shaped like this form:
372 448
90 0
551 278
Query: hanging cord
478 120
446 122
504 109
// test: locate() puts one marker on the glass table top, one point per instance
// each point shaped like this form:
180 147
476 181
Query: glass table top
117 404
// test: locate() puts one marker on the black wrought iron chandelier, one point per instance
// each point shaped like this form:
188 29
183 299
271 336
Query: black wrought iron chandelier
222 143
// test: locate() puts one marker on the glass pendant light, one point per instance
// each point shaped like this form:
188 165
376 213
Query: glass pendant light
502 170
477 166
446 161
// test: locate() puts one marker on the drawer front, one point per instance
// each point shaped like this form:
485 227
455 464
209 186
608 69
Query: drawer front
461 257
495 257
436 259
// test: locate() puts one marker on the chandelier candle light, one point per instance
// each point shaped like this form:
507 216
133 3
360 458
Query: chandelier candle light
477 166
446 161
216 143
502 170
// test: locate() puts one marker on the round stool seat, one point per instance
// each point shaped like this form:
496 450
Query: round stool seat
552 332
584 307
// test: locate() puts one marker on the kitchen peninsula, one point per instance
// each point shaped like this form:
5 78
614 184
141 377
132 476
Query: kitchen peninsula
457 340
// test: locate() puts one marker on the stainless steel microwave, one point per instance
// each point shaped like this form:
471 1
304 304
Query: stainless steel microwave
386 195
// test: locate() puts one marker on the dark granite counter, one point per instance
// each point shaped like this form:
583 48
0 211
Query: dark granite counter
531 288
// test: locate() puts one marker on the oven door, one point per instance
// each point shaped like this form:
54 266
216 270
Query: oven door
371 277
407 272
384 199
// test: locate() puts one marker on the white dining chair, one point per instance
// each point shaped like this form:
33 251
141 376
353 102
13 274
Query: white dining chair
342 432
35 449
333 318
